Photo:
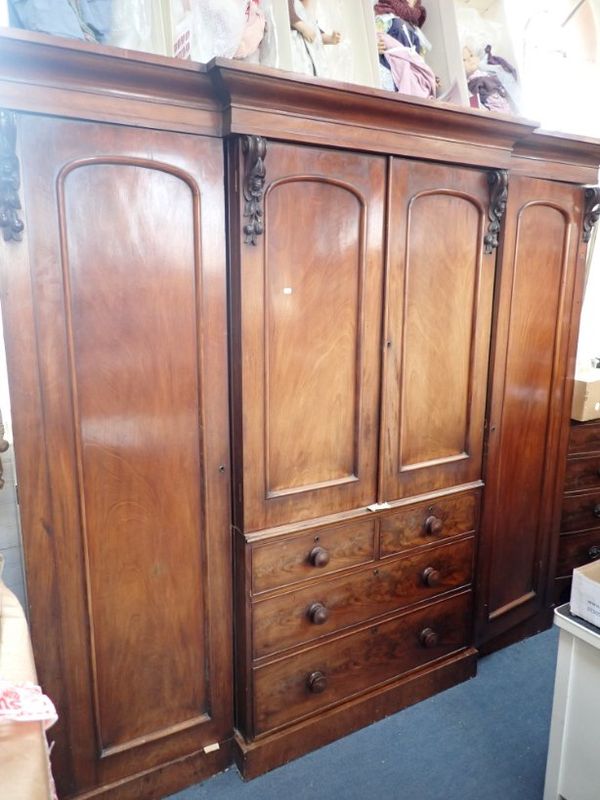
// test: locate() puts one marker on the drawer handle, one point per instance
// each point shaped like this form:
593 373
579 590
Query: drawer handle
434 525
429 638
594 552
596 511
317 613
316 682
318 557
431 577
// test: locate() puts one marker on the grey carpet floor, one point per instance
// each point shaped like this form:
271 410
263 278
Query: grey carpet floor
486 739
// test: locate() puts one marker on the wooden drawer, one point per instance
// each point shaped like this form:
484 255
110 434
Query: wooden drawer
323 675
312 554
580 512
574 551
428 522
583 473
310 612
584 437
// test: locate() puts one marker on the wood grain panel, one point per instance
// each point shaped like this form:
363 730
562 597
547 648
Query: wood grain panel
427 523
584 437
313 307
358 661
438 326
132 329
583 474
129 317
528 408
306 338
284 621
287 560
576 550
580 511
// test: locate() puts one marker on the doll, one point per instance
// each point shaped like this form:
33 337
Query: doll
254 31
308 39
401 45
484 85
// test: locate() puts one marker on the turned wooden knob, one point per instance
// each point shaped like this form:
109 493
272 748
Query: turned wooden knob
428 637
594 552
317 613
318 557
316 682
434 525
596 511
431 577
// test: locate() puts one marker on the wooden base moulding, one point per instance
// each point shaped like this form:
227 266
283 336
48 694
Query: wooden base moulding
267 753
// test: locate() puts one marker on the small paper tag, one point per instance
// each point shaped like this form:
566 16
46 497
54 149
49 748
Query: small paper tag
378 507
211 748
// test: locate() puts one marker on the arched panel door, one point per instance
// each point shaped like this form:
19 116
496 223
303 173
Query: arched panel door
116 334
439 300
529 403
307 348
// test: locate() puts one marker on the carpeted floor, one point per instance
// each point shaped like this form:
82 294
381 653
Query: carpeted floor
483 740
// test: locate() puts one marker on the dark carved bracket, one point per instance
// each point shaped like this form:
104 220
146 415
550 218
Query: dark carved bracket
10 181
498 183
591 211
255 150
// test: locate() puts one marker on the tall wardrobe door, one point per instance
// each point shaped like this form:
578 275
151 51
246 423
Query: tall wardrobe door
439 299
527 413
307 334
115 316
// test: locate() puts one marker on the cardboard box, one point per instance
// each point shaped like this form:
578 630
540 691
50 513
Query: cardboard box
586 395
585 593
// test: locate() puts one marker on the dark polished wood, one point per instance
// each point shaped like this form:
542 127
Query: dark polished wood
288 619
128 310
435 369
577 549
580 512
309 338
584 438
527 425
358 661
359 343
583 474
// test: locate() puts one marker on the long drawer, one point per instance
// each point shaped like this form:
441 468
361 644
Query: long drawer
312 554
584 437
583 474
580 512
323 675
311 612
428 522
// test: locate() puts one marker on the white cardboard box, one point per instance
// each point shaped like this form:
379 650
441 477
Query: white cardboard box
585 593
586 395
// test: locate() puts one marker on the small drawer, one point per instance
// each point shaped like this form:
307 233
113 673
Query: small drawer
575 550
584 437
311 555
428 522
582 474
580 512
305 683
310 612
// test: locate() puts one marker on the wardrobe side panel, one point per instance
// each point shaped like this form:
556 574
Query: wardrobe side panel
125 234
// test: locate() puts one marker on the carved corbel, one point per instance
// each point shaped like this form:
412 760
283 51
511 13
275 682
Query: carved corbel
10 180
591 211
255 150
498 183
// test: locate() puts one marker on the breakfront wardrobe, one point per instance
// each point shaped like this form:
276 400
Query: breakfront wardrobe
289 366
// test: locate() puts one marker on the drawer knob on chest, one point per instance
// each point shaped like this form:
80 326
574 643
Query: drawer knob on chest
433 525
317 613
594 552
428 637
316 682
431 577
596 511
318 557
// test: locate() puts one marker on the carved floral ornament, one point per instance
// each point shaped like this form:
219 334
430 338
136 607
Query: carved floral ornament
498 183
591 212
10 205
255 150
